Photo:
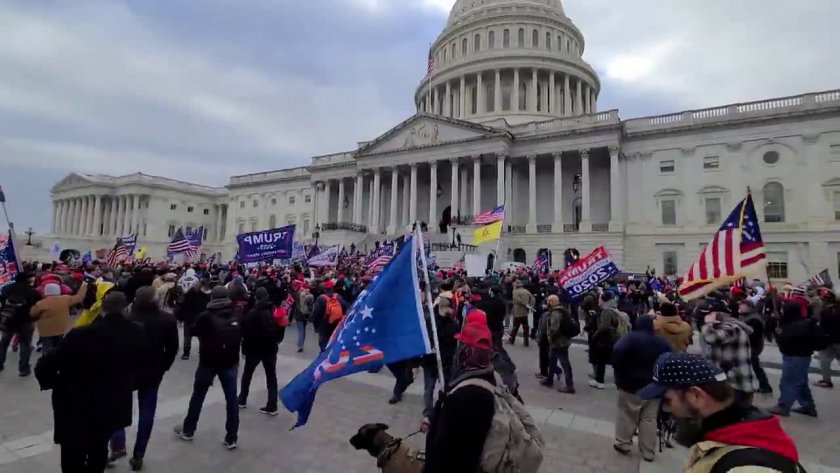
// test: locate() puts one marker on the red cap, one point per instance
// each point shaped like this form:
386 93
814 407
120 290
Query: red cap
476 316
328 284
476 335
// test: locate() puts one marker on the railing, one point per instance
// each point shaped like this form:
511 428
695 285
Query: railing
570 122
332 159
830 96
571 228
601 227
516 228
344 226
454 247
543 228
463 220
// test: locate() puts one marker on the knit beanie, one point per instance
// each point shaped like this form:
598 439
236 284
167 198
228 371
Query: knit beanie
219 292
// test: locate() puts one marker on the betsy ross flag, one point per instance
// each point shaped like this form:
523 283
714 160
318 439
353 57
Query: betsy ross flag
490 216
118 253
736 251
384 325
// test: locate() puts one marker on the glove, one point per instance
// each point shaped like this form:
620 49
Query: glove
371 437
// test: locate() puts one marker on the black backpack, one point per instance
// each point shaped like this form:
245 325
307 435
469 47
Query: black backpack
12 313
569 326
226 339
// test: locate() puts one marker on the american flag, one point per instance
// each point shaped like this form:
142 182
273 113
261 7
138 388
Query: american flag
430 65
821 279
196 239
381 258
8 260
541 263
130 242
118 253
179 243
490 216
735 251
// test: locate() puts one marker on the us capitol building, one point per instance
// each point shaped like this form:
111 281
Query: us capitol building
510 115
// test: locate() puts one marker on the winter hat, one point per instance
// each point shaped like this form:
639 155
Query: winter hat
219 292
667 309
476 335
261 293
114 303
52 289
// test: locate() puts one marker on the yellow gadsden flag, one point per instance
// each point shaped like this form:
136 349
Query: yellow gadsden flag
487 233
140 253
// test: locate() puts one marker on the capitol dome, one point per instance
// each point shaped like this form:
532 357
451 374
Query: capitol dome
521 60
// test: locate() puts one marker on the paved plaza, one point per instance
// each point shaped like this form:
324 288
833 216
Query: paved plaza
578 428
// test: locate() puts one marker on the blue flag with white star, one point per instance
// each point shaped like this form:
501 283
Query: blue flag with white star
384 325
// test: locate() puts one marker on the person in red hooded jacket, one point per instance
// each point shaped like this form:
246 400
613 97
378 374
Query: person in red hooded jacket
722 435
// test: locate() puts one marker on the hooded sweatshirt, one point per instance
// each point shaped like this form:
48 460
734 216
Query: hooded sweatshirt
187 280
635 354
675 330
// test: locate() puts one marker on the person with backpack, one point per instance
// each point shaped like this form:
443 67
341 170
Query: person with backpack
193 304
561 328
478 426
219 335
634 357
602 342
327 312
304 302
16 302
722 435
260 335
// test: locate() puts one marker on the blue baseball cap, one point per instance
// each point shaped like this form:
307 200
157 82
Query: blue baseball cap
677 370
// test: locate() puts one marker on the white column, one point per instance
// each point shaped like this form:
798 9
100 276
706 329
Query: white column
433 185
435 101
340 200
453 191
532 101
558 192
54 220
120 216
115 210
532 194
586 198
479 94
83 228
552 96
217 234
465 179
500 179
616 192
62 210
567 97
514 105
97 215
593 101
462 95
509 188
130 213
377 185
497 92
579 98
412 205
403 218
68 219
369 222
358 193
392 220
587 106
476 184
76 216
327 200
447 100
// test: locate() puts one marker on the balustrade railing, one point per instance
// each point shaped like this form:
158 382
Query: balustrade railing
543 228
571 228
600 227
344 226
516 229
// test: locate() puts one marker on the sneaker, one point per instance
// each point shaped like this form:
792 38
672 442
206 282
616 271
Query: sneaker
622 450
395 399
242 405
648 457
136 464
229 445
547 382
179 431
566 390
269 412
597 385
116 455
779 411
765 390
300 350
824 384
185 357
806 411
24 374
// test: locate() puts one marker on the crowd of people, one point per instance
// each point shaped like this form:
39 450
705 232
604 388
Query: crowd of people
108 333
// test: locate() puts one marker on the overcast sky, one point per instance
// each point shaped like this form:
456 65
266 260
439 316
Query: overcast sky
204 89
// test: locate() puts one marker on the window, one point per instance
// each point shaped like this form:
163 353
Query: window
241 228
669 212
173 206
452 51
568 46
711 163
506 94
272 222
290 221
669 262
256 203
144 228
273 201
491 40
171 231
490 96
523 96
834 152
548 41
464 47
253 226
241 204
535 39
777 265
521 38
477 43
774 202
506 39
667 166
307 198
712 210
770 157
206 212
190 209
836 205
292 200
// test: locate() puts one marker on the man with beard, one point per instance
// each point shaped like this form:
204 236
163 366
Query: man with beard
722 435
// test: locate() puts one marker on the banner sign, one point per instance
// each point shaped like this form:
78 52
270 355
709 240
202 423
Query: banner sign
266 245
587 272
8 261
328 257
298 251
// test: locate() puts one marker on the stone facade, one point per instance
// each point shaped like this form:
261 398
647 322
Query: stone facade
651 189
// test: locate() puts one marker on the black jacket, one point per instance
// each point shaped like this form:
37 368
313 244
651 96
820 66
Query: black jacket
20 292
160 343
260 332
195 302
830 322
495 309
756 323
635 354
799 337
219 334
92 374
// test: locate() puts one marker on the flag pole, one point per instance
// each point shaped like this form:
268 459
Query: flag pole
499 241
11 226
418 237
429 108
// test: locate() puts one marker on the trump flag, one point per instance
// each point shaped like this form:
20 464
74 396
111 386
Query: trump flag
384 325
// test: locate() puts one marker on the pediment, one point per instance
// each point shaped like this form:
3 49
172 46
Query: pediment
423 130
70 181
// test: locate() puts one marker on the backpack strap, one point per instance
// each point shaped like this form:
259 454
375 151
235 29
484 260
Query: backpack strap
481 383
752 456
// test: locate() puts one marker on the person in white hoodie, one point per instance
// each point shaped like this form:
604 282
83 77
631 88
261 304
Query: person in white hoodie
188 280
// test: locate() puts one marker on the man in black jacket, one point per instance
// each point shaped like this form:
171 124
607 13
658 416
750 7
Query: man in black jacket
830 326
92 374
160 346
194 303
260 336
219 336
16 300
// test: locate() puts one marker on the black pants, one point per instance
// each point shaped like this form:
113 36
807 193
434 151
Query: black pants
760 375
187 326
519 322
600 371
403 376
269 362
85 455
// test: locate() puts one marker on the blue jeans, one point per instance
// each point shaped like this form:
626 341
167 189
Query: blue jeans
146 404
301 333
794 383
203 380
25 351
558 363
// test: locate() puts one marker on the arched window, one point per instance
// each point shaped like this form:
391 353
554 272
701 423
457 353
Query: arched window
568 45
535 39
520 41
506 95
490 96
560 43
506 39
477 43
491 39
464 47
523 96
452 51
548 41
539 97
272 222
774 202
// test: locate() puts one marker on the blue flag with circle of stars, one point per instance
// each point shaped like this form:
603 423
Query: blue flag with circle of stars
384 325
